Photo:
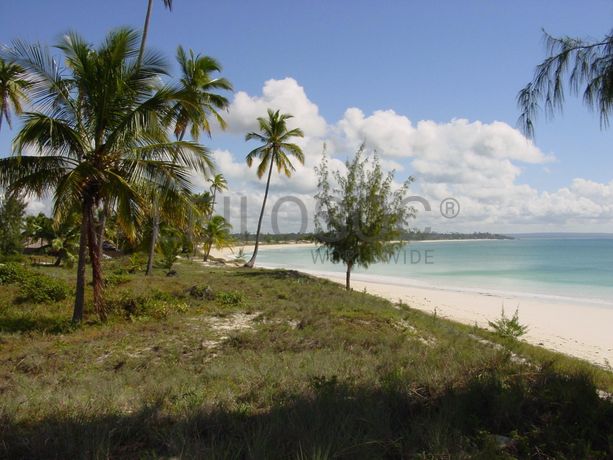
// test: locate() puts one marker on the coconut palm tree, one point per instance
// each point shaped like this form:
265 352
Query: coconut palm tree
176 208
216 233
199 212
168 5
197 100
13 90
218 184
195 104
98 129
274 151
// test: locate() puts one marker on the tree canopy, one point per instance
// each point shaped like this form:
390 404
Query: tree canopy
360 213
580 66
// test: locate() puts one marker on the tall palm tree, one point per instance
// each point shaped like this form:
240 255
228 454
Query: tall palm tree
98 127
218 184
195 104
274 136
168 5
13 90
197 100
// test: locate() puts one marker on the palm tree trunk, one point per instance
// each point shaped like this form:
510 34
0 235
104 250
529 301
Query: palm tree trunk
154 237
207 251
145 31
97 281
348 276
212 211
79 303
101 229
251 262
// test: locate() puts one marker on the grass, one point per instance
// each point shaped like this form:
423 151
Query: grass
276 364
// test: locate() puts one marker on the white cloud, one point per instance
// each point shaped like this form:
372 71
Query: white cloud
285 95
477 163
480 164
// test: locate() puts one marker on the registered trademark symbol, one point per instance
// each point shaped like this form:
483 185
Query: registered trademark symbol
450 208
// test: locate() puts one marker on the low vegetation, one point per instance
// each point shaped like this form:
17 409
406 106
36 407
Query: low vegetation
509 327
239 363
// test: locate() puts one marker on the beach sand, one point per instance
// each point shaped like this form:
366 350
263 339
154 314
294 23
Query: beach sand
584 331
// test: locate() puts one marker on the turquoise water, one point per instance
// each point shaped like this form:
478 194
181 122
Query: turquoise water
578 269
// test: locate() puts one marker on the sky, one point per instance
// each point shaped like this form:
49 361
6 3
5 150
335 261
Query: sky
430 86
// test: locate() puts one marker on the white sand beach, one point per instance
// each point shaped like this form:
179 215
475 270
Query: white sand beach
584 331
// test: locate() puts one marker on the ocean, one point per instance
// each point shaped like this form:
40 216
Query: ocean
574 268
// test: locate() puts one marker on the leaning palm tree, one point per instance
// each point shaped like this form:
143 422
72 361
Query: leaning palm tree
198 102
167 4
13 90
218 184
274 136
97 126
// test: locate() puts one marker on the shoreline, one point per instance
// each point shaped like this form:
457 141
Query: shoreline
579 330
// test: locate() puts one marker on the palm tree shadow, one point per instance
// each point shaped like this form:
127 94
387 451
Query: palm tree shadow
545 416
35 324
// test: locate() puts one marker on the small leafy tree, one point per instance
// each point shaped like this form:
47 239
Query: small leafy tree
12 210
509 327
170 246
360 214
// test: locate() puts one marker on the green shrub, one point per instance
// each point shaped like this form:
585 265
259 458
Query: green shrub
137 263
13 273
230 299
201 293
508 327
42 289
12 258
115 279
146 306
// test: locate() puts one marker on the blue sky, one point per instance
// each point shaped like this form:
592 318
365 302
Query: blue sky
434 61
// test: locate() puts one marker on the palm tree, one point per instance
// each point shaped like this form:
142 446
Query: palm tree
274 151
194 105
99 132
174 208
197 101
13 87
216 233
200 210
168 5
218 184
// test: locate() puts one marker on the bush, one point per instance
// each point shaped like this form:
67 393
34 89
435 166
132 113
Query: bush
42 289
115 279
230 299
509 327
13 273
146 306
13 258
202 293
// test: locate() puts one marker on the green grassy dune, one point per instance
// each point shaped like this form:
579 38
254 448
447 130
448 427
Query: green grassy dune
238 363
